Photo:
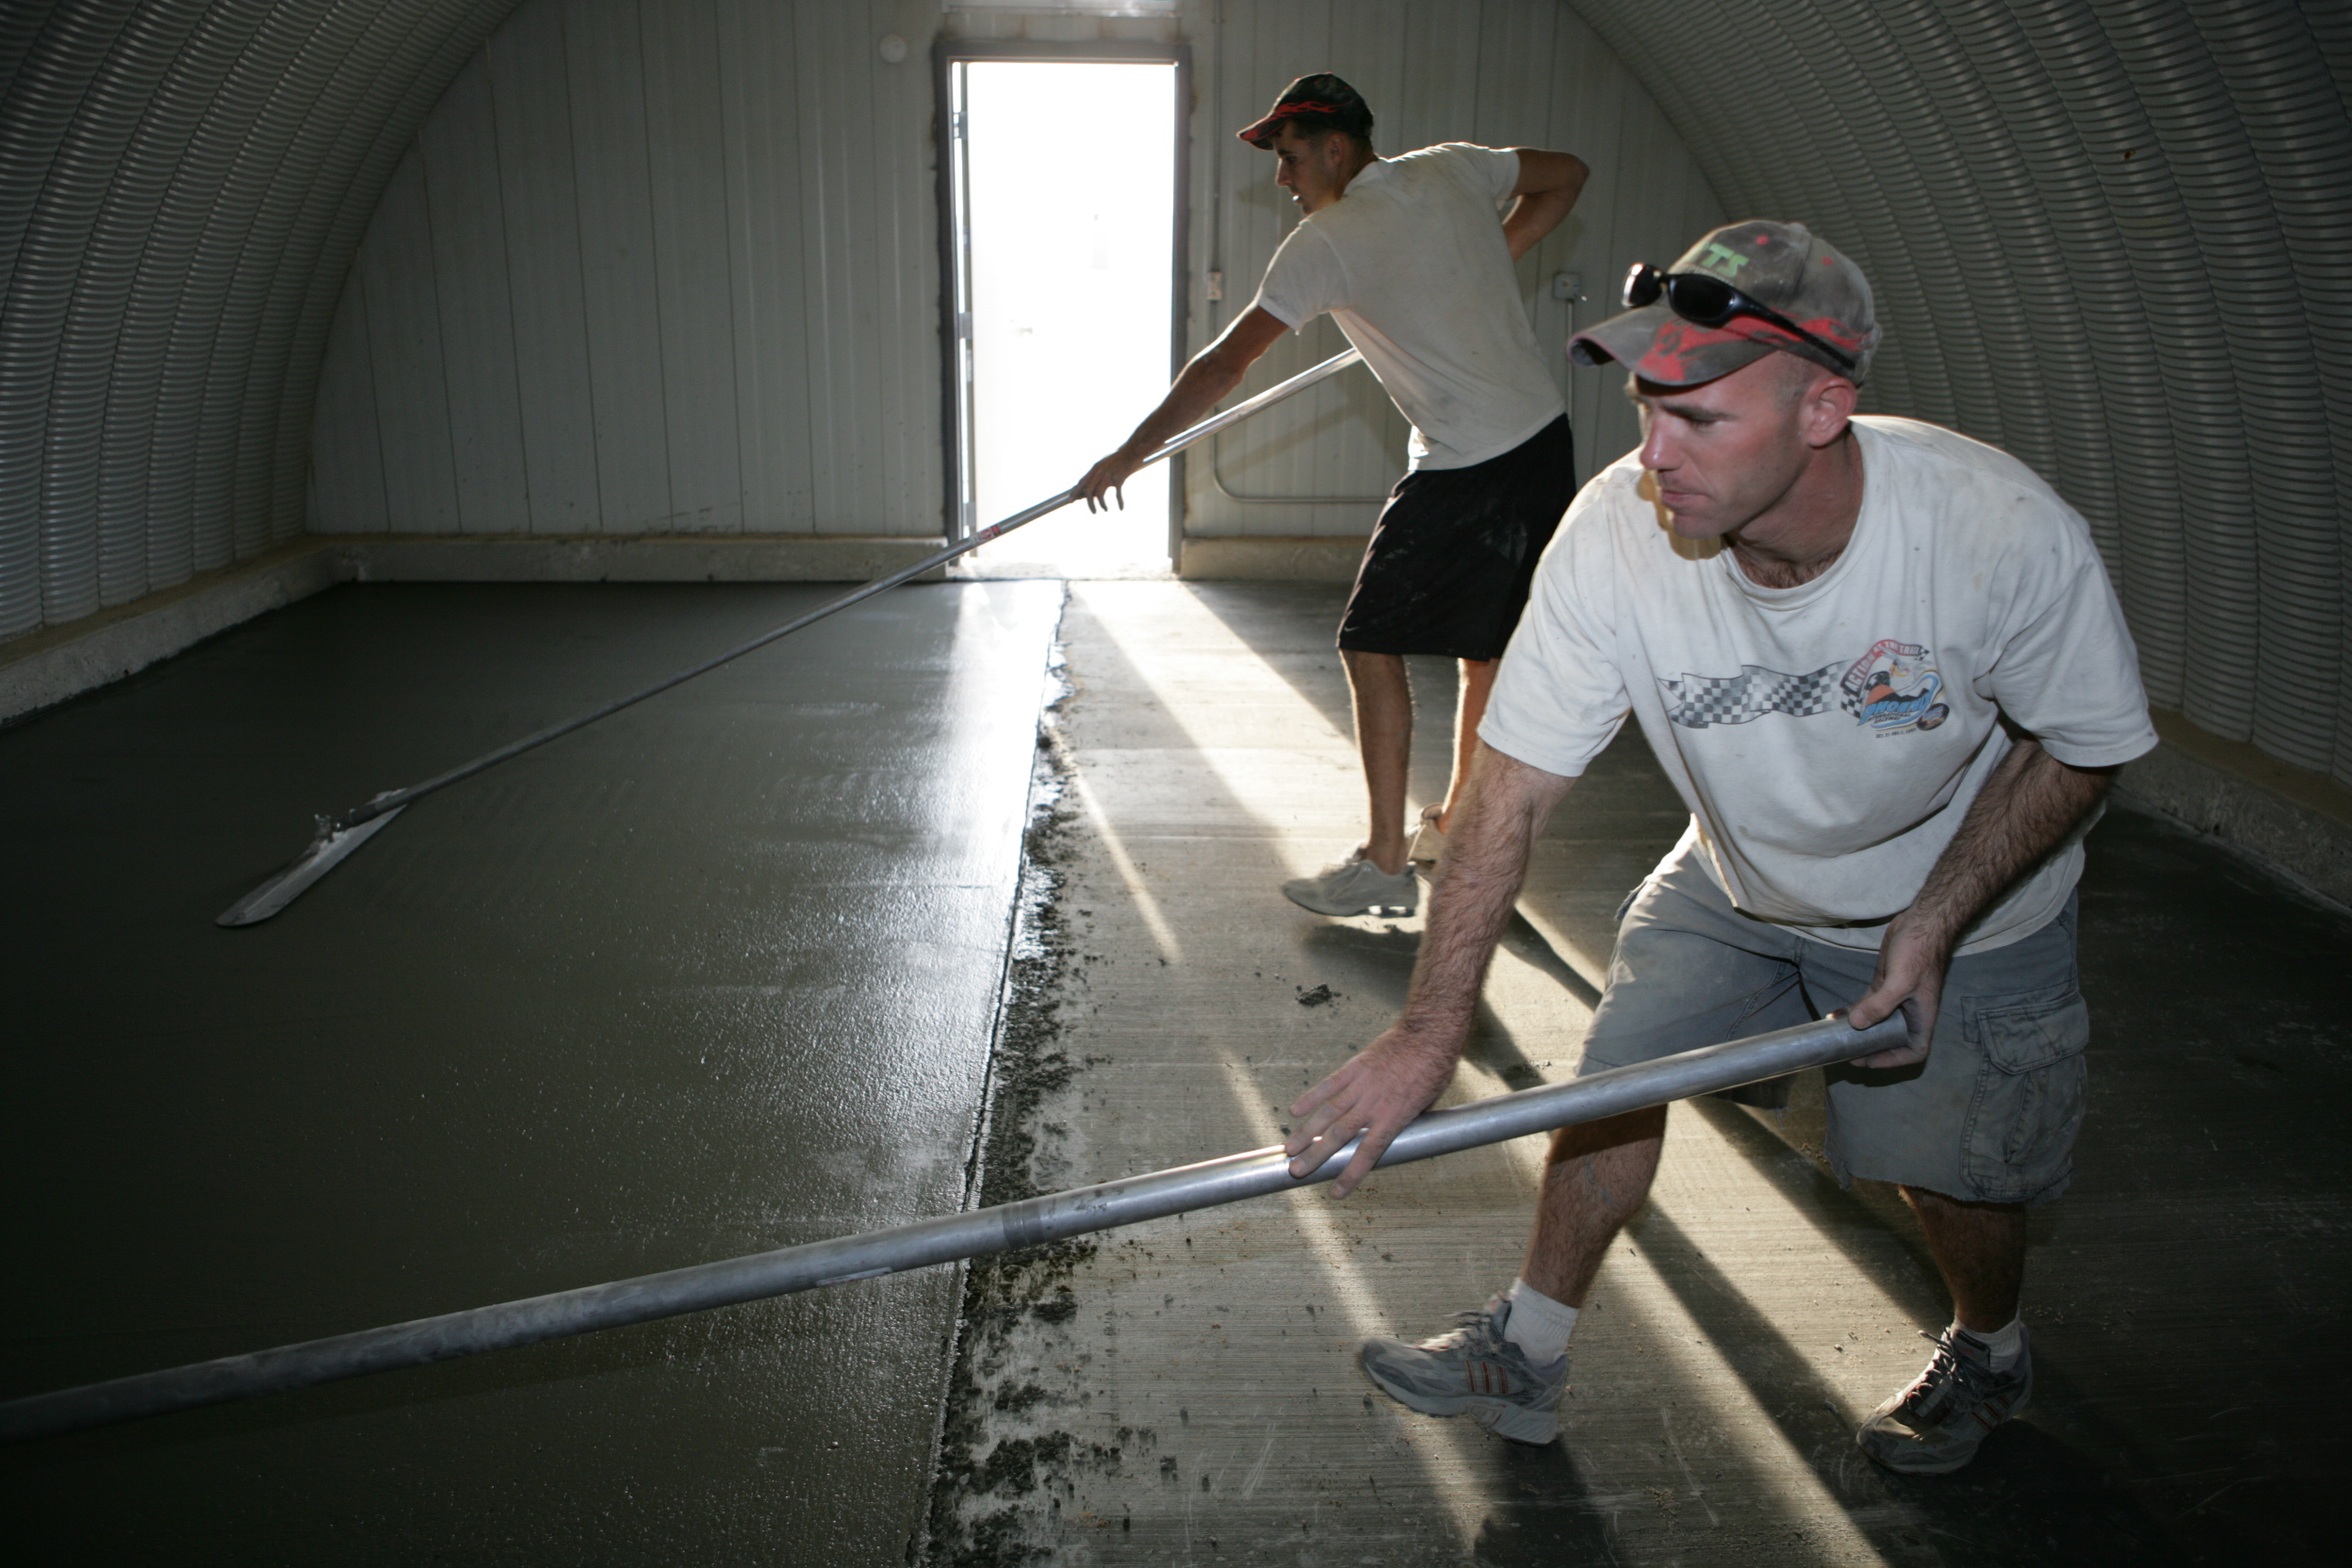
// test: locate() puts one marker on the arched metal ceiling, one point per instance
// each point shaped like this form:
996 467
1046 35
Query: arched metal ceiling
2109 235
181 187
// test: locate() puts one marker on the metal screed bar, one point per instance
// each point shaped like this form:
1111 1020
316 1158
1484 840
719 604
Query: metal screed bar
338 836
1161 1193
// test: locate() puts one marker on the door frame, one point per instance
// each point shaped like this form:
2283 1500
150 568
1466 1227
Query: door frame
954 326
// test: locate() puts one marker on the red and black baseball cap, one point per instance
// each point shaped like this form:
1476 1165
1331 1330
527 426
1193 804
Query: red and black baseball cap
1814 305
1322 97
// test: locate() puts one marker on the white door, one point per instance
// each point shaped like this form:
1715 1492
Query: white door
1065 178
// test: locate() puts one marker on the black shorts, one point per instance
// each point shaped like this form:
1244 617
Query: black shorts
1453 553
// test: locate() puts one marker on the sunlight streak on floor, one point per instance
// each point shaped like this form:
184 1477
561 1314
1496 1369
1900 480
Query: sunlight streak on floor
1452 1441
1147 907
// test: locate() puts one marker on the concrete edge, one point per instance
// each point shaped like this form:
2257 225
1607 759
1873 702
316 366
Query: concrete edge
642 558
1270 559
2306 848
55 663
47 668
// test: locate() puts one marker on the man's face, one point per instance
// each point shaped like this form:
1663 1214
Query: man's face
1724 452
1309 165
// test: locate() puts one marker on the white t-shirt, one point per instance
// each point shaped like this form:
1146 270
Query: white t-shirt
1828 738
1411 263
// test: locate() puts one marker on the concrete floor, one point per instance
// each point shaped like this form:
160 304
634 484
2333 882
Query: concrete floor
1186 1391
720 973
716 975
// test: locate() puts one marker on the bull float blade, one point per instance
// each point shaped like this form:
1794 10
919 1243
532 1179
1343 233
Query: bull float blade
326 853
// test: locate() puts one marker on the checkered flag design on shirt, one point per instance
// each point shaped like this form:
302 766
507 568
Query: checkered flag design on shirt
1696 701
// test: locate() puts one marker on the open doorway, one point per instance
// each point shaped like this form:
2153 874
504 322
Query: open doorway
1064 191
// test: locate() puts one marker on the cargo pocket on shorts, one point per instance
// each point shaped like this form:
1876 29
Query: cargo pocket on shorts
2029 1091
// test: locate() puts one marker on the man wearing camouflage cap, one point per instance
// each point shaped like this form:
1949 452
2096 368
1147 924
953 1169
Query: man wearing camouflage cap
1407 255
1884 667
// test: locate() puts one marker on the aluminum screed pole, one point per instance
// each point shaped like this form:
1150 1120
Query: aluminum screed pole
973 1234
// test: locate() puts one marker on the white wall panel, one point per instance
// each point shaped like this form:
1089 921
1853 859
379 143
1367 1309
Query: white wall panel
531 108
760 92
400 298
681 258
475 316
346 479
688 182
613 174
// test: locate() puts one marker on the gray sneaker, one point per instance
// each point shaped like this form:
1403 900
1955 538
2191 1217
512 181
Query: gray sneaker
1355 887
1935 1424
1472 1371
1429 841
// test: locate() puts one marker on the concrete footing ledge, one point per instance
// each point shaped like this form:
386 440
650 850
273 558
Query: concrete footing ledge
58 663
1187 1392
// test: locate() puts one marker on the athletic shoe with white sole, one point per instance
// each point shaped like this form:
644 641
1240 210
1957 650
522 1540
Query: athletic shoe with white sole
1472 1371
1935 1425
1429 840
1355 887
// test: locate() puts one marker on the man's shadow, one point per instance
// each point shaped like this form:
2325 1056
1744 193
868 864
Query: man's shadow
1377 966
2029 1496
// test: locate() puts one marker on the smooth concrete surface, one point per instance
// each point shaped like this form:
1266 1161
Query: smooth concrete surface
715 975
1187 1392
51 666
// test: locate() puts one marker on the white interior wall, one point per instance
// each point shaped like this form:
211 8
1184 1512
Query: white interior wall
669 265
651 267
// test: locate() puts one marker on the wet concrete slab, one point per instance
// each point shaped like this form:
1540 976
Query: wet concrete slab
1186 1391
713 976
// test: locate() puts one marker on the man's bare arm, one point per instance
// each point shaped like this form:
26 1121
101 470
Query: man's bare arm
1214 373
1396 1077
1549 184
2031 802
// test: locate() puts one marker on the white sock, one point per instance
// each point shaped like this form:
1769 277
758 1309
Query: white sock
2005 1344
1539 1325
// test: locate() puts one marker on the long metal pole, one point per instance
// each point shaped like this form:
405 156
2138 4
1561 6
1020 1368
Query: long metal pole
338 835
969 1235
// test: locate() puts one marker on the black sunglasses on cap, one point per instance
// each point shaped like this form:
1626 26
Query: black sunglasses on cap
1709 301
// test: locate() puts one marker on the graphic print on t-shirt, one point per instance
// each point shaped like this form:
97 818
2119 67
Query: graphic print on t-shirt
1894 687
1890 689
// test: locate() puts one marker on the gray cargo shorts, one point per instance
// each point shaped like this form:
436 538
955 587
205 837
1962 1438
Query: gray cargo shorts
1989 1117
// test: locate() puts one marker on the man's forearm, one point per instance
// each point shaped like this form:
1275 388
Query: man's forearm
1485 863
1199 389
1533 216
2031 802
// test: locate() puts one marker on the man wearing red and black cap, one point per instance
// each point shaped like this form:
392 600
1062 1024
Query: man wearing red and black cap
1882 666
1406 253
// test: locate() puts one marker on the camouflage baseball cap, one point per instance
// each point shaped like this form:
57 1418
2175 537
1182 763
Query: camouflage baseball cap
1679 337
1319 96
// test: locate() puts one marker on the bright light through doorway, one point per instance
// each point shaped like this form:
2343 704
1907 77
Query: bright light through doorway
1069 209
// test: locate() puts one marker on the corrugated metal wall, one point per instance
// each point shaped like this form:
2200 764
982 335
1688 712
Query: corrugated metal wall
669 264
2113 237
